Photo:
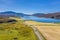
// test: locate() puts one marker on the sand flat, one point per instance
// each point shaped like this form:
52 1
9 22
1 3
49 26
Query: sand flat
50 31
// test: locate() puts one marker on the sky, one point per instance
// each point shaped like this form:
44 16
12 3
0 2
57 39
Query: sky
30 6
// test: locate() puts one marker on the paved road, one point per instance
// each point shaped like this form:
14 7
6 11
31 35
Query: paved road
36 31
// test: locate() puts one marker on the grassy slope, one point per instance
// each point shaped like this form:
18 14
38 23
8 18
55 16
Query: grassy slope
19 31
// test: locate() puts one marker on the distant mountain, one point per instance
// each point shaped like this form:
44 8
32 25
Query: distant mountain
55 15
49 15
12 14
38 14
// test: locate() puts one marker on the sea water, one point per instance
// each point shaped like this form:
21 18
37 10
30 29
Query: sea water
38 19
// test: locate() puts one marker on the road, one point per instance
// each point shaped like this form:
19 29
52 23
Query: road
36 31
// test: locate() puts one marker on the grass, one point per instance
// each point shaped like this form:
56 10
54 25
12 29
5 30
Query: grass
16 31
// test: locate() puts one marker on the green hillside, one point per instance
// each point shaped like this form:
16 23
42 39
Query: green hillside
16 31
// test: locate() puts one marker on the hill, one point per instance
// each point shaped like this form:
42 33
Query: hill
38 14
12 14
49 15
16 31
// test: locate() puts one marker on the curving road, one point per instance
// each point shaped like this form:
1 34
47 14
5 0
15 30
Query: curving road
36 31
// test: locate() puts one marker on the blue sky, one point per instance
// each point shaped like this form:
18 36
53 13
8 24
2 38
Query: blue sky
30 6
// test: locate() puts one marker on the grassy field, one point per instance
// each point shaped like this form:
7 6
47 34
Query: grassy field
51 31
16 31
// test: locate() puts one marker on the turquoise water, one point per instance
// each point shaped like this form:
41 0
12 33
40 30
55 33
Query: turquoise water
40 19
